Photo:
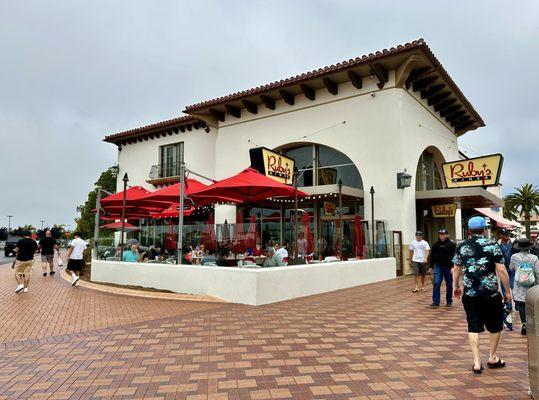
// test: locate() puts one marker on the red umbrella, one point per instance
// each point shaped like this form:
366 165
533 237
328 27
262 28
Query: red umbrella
250 236
117 226
359 238
172 193
170 237
248 186
134 196
208 236
307 231
238 241
172 212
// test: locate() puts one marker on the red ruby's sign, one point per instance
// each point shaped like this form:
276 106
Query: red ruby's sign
479 171
273 165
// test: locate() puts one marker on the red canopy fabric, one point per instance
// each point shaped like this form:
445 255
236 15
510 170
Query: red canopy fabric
250 236
173 211
359 238
308 233
170 237
172 193
135 195
238 241
248 186
208 236
117 226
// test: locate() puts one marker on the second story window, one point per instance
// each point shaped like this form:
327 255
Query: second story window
170 157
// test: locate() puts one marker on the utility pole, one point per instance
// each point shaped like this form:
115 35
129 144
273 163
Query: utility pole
42 221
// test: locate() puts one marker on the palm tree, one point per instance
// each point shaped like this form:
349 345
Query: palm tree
523 202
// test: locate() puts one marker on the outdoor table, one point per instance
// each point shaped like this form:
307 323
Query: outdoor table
260 260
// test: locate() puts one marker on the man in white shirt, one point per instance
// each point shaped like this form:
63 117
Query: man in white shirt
75 257
419 254
281 252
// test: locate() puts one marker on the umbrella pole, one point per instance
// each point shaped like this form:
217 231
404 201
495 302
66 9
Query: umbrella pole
122 239
96 223
295 238
180 213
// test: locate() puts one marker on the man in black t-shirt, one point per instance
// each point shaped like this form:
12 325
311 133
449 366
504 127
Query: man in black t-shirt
26 249
47 246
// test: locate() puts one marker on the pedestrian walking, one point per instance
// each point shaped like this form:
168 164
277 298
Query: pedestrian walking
525 267
441 263
507 249
75 257
25 249
419 255
479 261
48 246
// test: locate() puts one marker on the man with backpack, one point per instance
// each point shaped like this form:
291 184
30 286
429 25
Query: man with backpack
526 269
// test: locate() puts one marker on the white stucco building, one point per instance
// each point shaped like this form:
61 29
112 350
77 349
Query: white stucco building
362 121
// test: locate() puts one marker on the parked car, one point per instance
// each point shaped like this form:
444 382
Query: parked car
11 243
2 244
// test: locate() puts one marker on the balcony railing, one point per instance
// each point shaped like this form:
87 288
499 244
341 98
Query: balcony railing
166 170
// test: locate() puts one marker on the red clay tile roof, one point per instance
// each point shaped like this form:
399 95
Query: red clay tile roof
184 119
416 44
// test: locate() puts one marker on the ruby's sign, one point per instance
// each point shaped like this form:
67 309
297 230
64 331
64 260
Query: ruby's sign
479 171
273 165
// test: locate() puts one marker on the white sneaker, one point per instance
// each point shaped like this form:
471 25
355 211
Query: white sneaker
75 280
25 290
19 288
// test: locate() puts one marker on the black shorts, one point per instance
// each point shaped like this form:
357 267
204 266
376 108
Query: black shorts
484 312
75 265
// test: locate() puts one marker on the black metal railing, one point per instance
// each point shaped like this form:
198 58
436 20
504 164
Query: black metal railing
166 170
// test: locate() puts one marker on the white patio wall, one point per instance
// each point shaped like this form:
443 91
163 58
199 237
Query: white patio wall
246 286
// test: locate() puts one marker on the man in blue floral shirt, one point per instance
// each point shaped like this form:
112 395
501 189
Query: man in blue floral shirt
479 261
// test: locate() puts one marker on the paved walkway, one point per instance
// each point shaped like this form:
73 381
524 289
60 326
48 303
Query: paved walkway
377 341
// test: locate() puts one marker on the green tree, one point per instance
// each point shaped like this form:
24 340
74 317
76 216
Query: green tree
85 223
523 202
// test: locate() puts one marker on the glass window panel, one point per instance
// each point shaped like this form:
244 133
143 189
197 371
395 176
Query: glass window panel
328 157
302 156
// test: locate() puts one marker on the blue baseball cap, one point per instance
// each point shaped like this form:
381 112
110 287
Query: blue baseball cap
477 223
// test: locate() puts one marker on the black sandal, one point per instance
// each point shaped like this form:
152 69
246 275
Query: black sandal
477 371
498 364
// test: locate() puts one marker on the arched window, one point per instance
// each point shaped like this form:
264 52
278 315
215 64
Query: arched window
427 174
321 165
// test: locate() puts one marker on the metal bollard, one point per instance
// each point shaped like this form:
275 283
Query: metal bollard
532 328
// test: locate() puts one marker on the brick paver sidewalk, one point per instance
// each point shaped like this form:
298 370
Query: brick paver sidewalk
377 341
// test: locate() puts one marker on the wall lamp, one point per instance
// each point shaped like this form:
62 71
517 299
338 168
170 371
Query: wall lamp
404 180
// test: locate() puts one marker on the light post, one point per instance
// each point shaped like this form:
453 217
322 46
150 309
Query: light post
340 218
372 221
125 179
295 239
9 223
180 212
42 224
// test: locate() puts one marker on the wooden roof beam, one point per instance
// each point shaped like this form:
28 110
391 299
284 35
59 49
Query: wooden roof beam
307 91
455 116
416 74
461 120
438 98
250 106
234 111
431 91
268 102
287 97
219 115
423 83
356 80
381 73
450 110
331 86
444 104
464 126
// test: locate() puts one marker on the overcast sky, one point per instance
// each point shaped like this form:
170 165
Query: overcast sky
73 71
